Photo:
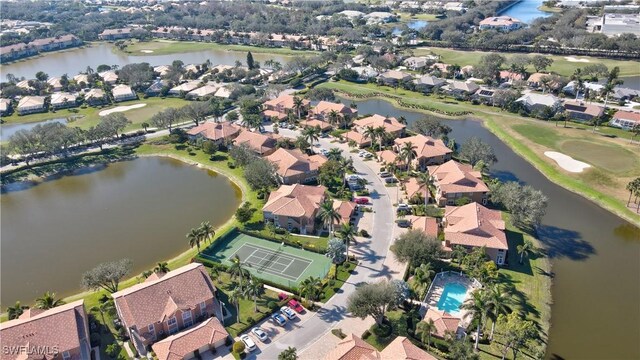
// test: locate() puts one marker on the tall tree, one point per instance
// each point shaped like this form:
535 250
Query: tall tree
107 275
298 104
515 333
195 237
408 153
208 232
161 268
289 353
237 270
525 249
347 233
310 288
235 296
500 302
328 214
426 328
373 299
254 290
416 248
477 308
336 250
312 134
474 150
250 62
197 111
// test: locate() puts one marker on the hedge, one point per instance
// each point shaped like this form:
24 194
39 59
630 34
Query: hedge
281 240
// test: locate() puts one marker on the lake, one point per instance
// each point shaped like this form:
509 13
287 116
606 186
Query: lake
139 209
526 11
595 256
6 130
71 62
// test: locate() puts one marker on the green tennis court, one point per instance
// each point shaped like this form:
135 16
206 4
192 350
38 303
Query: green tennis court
272 261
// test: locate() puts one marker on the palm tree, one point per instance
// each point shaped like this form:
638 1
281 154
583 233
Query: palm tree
237 270
328 214
310 288
612 81
145 125
254 289
477 308
289 353
334 154
632 187
48 301
297 105
302 143
426 328
104 307
457 253
333 117
207 231
195 237
500 300
380 133
423 275
347 233
424 179
525 249
161 267
235 297
370 133
408 153
311 134
16 310
578 81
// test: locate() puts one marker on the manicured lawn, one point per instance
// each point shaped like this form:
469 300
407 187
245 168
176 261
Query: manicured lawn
560 65
343 273
165 47
611 157
421 16
537 134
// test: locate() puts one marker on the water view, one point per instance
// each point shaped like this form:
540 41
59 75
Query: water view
526 11
140 209
6 130
72 62
595 256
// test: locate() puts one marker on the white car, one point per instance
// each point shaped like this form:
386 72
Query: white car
403 207
288 312
363 153
260 334
248 342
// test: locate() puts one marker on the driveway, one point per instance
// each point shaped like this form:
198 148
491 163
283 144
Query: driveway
371 256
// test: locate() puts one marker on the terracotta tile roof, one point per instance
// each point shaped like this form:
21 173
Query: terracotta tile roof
627 115
345 210
500 21
390 124
215 131
353 348
454 177
510 75
396 75
427 224
157 300
357 137
295 200
273 113
284 101
412 188
295 162
536 77
316 123
425 146
63 327
325 107
443 321
403 349
175 347
260 143
474 225
186 87
387 156
584 108
441 66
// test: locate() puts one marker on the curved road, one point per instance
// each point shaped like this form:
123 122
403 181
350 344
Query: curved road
370 267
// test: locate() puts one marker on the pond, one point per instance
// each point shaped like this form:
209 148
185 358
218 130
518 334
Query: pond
72 62
526 11
141 209
595 256
412 24
6 130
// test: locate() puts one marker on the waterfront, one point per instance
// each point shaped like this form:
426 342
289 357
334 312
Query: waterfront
526 11
595 256
141 209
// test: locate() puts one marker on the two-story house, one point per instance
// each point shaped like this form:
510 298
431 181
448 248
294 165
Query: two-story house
454 181
294 207
281 106
294 166
429 151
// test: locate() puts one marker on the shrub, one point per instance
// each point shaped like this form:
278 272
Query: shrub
231 165
250 320
272 305
238 347
364 233
228 341
112 350
383 330
95 339
338 332
366 334
281 231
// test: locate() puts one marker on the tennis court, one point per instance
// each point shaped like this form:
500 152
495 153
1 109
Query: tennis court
269 260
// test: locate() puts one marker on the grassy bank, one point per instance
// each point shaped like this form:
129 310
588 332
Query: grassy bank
88 117
598 184
561 64
167 47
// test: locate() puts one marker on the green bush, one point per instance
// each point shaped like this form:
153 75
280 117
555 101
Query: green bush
231 165
364 233
383 330
272 305
238 347
112 350
366 334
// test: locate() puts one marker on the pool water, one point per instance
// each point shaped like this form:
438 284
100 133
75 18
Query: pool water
452 297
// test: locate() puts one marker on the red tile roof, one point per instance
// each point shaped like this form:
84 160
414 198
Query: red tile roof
260 143
627 115
345 210
454 177
427 224
425 146
295 162
474 225
295 200
175 347
215 131
353 348
390 124
403 349
443 321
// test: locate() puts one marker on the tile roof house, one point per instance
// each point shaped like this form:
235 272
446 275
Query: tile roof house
95 97
16 51
5 106
393 77
429 151
621 93
509 76
323 125
456 87
123 93
294 206
402 348
294 166
501 23
535 80
474 225
30 105
345 209
413 189
260 143
281 106
63 100
426 224
416 62
217 132
208 335
354 348
115 34
443 321
110 77
389 157
55 83
166 304
391 125
162 69
537 102
56 43
579 110
358 138
81 78
322 110
60 333
185 87
625 119
454 180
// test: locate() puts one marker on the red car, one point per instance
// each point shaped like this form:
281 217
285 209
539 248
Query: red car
361 201
295 306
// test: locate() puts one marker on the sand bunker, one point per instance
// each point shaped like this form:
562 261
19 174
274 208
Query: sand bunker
574 59
567 162
120 109
146 51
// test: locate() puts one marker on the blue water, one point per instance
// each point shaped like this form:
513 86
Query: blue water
6 130
526 11
452 297
413 25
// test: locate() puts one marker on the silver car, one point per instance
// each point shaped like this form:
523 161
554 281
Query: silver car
260 334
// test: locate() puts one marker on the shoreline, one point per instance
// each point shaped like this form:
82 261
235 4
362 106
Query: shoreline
602 200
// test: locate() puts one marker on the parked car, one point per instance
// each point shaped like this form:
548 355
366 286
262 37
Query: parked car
324 152
279 319
283 124
384 174
361 201
260 334
282 296
403 207
288 312
390 180
352 177
295 305
248 342
403 223
362 153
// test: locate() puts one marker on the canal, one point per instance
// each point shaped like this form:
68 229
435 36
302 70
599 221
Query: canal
595 256
141 209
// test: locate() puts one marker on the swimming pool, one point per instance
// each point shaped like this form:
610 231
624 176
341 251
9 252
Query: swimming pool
452 297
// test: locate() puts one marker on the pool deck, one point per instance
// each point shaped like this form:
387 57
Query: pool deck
437 287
